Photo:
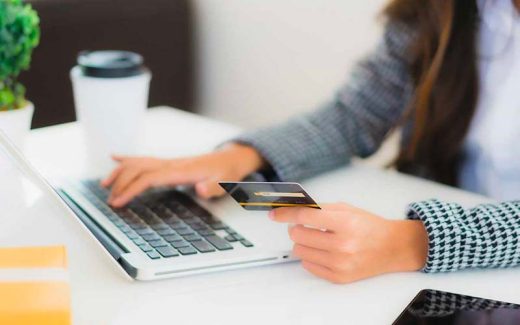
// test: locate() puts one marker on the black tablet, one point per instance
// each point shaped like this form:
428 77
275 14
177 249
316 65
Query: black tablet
432 307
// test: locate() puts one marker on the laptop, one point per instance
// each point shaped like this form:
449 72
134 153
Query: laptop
167 232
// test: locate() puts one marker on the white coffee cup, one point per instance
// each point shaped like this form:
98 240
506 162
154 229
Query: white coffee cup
111 96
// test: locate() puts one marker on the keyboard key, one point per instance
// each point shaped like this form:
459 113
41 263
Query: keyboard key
192 237
159 211
172 237
180 244
138 241
206 232
156 223
113 217
219 225
195 208
153 255
145 231
126 229
208 219
246 243
185 231
137 207
199 225
158 243
178 226
184 213
165 232
192 220
219 243
120 223
152 236
132 234
133 219
161 226
145 247
125 214
203 246
238 237
167 251
173 205
138 226
230 231
187 250
174 221
230 238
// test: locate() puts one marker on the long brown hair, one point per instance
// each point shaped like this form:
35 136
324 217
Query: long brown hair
443 60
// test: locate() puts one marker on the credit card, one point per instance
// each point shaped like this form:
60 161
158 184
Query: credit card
268 195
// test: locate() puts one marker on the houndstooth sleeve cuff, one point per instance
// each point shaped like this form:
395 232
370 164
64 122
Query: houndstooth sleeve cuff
486 236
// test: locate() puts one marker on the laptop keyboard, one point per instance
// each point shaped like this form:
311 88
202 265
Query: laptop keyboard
167 224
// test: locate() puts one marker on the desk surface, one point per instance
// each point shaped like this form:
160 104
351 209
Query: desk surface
282 293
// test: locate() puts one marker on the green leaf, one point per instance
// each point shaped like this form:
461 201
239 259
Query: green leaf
19 35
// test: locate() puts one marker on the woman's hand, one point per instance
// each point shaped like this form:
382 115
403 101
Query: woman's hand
136 174
347 244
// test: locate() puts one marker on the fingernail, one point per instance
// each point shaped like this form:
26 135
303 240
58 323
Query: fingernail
271 214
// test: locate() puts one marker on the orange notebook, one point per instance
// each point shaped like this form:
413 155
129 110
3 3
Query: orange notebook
34 287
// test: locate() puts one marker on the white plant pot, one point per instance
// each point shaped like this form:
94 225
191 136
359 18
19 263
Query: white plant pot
17 123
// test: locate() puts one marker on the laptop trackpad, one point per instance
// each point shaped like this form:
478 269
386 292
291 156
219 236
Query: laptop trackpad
253 225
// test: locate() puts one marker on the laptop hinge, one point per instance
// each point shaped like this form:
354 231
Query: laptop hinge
111 245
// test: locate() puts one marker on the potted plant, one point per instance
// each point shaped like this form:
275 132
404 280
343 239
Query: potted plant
19 35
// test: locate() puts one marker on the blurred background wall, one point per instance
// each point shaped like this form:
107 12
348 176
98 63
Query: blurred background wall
260 61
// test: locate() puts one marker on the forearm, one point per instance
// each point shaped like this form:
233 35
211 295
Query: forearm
247 159
303 146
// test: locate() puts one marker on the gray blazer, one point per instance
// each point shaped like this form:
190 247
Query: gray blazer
355 123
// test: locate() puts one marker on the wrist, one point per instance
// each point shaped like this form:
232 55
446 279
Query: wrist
248 159
410 245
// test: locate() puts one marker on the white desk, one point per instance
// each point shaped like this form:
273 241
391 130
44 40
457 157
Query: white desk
283 294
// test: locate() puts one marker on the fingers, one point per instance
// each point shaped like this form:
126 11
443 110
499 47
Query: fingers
120 158
316 218
124 178
139 185
112 177
336 206
321 271
208 189
312 238
313 255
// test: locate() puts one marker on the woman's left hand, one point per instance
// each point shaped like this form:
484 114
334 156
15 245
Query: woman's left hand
342 243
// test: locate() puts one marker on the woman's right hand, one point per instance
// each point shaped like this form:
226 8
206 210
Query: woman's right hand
134 175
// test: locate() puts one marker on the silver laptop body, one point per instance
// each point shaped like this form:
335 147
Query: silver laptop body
168 233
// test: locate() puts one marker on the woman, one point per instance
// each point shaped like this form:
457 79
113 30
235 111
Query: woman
445 72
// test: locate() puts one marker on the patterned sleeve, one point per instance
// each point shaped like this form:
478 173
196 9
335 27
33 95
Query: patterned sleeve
355 123
486 236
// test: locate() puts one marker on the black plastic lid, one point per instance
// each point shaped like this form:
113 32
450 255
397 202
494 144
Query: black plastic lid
110 64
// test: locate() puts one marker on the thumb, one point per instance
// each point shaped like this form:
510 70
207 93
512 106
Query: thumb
208 188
